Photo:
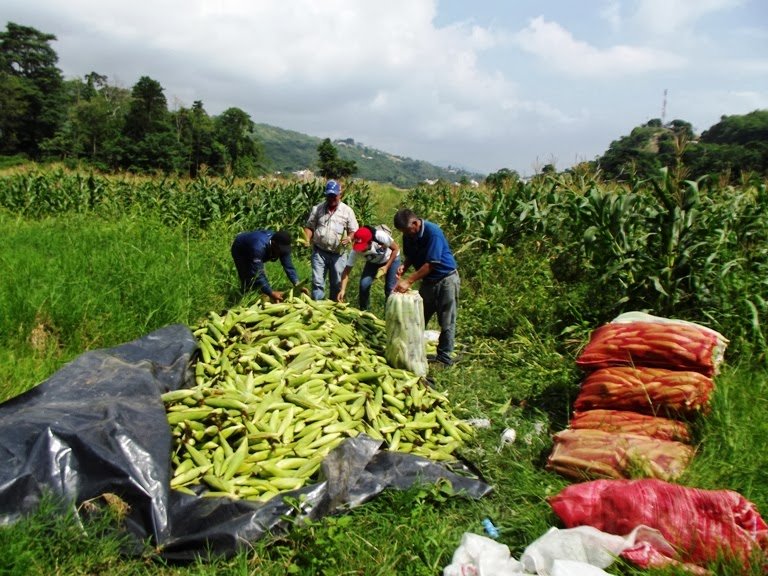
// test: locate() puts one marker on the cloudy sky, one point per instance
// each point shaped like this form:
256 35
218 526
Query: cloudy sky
484 85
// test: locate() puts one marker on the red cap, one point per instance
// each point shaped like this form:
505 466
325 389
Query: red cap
361 239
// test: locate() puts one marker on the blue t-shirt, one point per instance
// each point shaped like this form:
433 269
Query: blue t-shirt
430 245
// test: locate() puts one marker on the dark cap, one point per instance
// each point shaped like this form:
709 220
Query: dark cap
281 241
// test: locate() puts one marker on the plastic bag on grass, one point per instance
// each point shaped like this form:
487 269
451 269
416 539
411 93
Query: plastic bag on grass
580 551
477 555
405 332
98 426
576 551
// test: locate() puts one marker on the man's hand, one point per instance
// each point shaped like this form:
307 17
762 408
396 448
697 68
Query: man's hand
300 287
276 296
400 270
340 296
403 285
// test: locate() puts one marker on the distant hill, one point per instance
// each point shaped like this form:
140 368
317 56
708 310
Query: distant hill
290 151
737 145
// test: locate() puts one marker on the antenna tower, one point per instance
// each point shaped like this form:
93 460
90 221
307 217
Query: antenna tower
664 108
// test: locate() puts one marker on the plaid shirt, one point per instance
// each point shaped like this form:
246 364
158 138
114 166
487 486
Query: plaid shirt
329 228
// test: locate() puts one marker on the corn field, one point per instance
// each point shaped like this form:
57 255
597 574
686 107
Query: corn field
687 249
679 248
195 204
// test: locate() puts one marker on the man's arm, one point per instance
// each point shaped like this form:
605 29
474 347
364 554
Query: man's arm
405 283
310 224
260 278
289 268
394 252
352 227
344 282
404 265
422 272
352 224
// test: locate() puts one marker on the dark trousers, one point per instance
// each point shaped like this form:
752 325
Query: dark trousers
442 298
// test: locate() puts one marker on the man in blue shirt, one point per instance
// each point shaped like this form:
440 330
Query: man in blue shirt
251 250
427 251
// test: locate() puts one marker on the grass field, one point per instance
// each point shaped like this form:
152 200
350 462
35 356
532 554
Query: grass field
74 283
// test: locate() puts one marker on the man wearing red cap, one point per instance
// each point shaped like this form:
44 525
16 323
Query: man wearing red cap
382 257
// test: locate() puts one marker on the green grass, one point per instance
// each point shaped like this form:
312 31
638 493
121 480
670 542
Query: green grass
729 455
52 541
72 283
386 201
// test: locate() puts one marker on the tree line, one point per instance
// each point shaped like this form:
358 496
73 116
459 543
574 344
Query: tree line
45 116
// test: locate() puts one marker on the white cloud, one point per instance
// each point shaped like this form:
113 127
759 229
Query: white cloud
557 48
744 101
387 58
665 18
611 13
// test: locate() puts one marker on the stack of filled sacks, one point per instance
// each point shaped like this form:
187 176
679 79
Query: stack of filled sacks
647 377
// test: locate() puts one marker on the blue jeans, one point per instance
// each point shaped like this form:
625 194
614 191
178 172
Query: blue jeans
442 298
369 275
326 264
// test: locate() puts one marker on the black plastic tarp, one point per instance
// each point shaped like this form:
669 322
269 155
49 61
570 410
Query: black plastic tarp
98 426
